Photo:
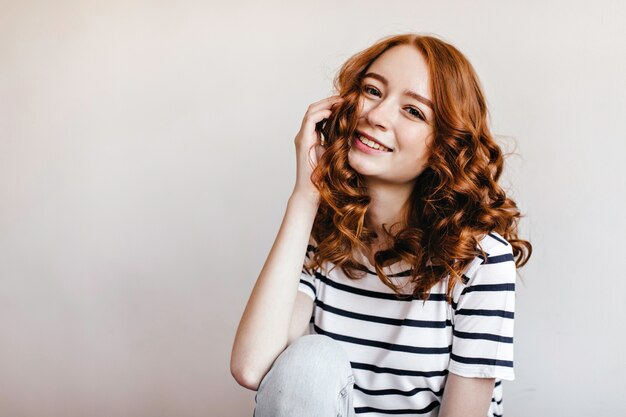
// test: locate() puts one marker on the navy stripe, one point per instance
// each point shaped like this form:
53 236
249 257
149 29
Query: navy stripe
308 284
497 415
404 273
480 361
428 408
489 287
393 371
483 336
498 383
397 391
385 345
504 242
493 400
497 259
378 319
376 294
492 313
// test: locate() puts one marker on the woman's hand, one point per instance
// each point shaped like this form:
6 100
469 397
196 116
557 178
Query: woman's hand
309 147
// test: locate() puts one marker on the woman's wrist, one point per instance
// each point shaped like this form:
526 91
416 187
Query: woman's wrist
305 199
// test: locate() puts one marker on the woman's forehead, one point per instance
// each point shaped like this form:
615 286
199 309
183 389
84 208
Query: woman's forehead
402 67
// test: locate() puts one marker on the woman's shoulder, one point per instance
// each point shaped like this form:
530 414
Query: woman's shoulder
493 244
489 275
497 250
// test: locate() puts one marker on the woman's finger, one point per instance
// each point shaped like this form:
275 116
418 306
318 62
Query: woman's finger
311 119
326 103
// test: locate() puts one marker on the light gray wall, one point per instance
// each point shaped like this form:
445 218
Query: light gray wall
146 156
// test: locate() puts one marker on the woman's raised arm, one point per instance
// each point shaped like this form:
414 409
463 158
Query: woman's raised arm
263 331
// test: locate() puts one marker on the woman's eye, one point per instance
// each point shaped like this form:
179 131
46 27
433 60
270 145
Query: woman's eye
371 90
414 112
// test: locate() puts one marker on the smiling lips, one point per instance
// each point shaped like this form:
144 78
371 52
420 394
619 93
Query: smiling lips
370 142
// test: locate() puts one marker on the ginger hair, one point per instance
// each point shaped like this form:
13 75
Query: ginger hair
456 200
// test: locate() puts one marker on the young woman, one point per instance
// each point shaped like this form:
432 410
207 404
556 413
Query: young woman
405 303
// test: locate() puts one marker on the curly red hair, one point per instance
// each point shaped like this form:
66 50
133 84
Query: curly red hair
456 199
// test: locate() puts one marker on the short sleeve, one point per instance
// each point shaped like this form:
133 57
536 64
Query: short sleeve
483 313
307 280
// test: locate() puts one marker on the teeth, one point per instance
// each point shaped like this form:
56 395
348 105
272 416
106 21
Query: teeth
371 143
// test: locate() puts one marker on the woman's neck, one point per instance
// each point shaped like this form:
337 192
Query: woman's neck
387 206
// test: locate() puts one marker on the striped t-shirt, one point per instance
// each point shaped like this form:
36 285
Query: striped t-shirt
402 350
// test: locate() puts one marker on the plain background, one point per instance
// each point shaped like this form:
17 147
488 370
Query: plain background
146 158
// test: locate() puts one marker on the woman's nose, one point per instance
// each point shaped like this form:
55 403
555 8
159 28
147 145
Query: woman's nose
379 115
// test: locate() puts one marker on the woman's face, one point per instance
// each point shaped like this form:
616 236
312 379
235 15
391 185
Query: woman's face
395 110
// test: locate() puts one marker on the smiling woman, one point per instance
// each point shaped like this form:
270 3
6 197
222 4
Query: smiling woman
404 245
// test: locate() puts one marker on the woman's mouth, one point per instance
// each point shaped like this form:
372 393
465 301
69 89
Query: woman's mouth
369 146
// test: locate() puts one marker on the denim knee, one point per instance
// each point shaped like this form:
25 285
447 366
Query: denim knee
315 352
311 377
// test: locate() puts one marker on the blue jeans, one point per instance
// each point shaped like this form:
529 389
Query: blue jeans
311 378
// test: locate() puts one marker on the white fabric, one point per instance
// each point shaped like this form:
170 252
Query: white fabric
401 351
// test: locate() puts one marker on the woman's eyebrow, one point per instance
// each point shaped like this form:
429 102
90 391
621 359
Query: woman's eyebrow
409 93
